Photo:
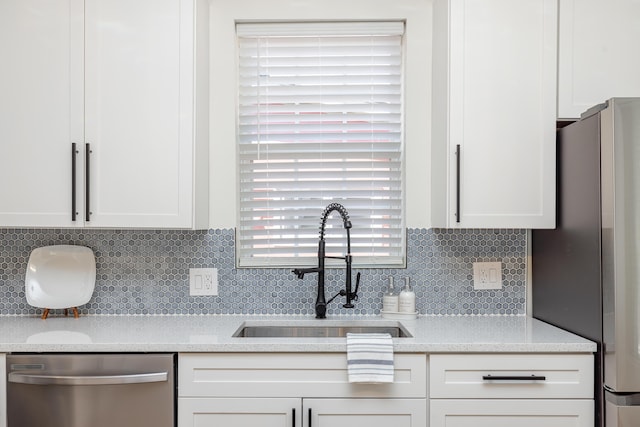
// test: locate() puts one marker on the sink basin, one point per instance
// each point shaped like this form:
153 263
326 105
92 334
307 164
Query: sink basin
317 331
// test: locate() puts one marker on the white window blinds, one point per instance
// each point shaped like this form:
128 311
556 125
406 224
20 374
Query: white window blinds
320 121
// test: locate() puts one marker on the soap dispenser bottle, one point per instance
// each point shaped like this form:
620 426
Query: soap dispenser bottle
407 298
390 299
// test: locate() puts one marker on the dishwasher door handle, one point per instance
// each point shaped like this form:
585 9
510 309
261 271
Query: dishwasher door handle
153 377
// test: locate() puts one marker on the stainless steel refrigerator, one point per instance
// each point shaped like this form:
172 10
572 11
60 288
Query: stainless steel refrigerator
586 272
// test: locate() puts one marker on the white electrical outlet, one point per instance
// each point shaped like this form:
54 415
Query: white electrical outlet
487 275
203 281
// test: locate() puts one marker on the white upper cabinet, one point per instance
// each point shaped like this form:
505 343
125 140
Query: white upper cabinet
118 79
598 53
40 109
493 145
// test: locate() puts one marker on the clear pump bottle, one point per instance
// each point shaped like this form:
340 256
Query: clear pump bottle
407 298
390 298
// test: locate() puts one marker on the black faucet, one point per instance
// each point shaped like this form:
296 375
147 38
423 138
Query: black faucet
321 302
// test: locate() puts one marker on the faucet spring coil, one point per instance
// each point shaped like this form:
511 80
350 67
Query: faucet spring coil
325 215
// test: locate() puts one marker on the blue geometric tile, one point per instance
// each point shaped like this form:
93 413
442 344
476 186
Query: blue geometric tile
141 272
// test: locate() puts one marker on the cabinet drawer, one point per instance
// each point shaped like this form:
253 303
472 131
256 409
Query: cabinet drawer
521 413
291 375
484 376
262 412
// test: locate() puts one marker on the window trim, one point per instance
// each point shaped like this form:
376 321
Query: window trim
223 17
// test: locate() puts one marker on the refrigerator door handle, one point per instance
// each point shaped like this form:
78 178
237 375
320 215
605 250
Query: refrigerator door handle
621 399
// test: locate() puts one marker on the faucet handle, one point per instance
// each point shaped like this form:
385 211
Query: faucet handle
355 293
351 296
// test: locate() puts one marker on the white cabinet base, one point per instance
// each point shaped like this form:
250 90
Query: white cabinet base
511 390
289 412
460 376
292 374
296 389
263 412
365 412
510 413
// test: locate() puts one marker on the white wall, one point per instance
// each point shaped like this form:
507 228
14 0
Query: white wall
225 13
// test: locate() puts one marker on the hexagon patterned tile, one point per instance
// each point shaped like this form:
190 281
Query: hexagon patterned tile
147 272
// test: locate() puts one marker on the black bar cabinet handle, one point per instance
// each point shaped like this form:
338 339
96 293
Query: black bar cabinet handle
73 181
87 188
458 183
293 417
309 417
514 378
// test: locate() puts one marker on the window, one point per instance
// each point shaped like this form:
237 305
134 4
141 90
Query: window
320 120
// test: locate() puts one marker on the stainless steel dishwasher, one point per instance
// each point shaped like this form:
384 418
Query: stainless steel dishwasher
97 390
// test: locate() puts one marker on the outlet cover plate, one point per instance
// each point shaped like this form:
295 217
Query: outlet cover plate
487 275
203 281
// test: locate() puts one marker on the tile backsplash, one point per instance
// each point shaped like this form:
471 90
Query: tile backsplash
141 272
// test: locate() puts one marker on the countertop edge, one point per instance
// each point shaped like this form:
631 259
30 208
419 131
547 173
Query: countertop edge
173 334
426 349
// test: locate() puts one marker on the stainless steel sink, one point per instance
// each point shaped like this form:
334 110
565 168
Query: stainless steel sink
317 331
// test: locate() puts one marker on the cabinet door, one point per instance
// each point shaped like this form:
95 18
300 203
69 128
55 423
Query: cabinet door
509 413
500 114
243 412
365 412
139 112
40 109
597 57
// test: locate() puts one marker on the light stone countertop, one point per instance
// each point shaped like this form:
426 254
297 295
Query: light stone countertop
431 334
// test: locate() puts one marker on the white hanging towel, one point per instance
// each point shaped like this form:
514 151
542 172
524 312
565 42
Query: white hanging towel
370 358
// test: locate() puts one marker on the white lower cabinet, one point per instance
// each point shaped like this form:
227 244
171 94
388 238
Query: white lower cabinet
501 390
239 412
364 412
510 413
312 390
296 389
292 412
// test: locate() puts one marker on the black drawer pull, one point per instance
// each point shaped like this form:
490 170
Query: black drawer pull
458 155
87 182
514 378
74 151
